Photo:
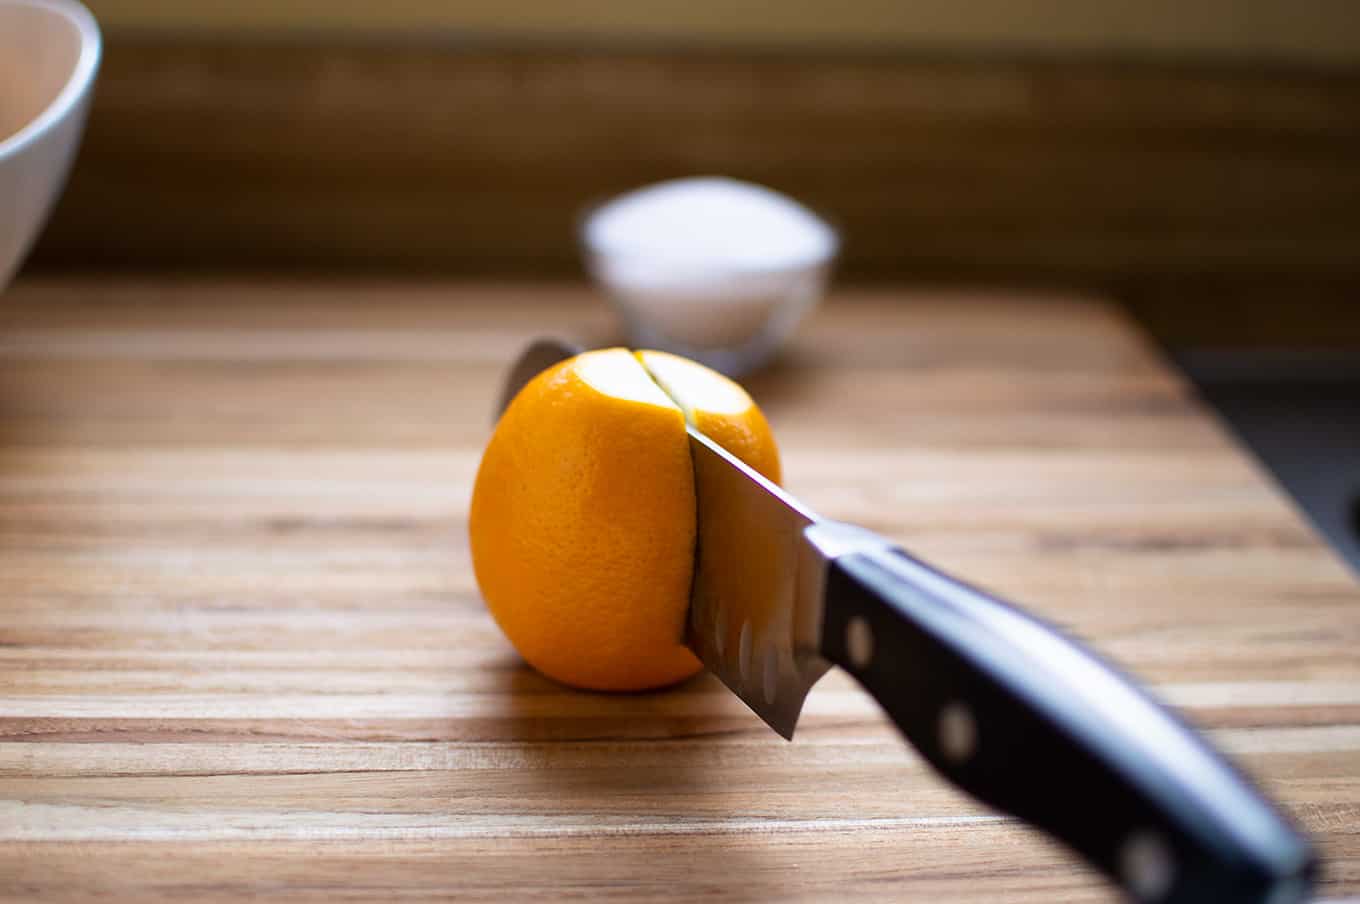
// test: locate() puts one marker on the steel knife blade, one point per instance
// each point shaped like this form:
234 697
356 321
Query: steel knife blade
755 602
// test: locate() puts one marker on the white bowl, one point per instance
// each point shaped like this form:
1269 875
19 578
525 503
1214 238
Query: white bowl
732 320
711 268
49 53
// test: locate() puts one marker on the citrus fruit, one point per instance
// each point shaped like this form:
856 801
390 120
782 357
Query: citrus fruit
582 522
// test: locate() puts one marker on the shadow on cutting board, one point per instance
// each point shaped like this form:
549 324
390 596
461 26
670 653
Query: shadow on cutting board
541 711
643 771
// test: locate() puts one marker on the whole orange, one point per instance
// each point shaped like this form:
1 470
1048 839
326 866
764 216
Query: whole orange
583 513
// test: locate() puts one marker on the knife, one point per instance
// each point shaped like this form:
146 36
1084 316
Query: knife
1001 704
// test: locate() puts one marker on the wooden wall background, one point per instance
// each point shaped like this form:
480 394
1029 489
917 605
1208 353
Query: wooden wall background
1291 31
1183 185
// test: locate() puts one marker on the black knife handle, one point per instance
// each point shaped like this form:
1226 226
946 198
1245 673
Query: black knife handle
1029 722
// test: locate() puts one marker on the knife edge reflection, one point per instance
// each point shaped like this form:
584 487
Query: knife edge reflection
755 603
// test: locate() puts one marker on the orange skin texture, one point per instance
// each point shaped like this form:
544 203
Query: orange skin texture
750 440
582 527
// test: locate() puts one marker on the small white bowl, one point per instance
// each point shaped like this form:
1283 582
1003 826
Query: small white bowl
709 301
49 54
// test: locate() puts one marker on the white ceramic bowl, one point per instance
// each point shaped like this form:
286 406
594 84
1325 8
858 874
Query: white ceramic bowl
711 268
49 53
731 320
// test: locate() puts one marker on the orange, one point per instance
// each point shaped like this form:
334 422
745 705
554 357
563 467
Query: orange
582 523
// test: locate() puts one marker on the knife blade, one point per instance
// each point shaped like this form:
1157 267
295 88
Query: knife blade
1001 704
754 604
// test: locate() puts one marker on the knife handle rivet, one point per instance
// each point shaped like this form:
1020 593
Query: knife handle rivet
1145 865
859 642
957 729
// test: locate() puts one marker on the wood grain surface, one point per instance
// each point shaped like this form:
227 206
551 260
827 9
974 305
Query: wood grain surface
242 652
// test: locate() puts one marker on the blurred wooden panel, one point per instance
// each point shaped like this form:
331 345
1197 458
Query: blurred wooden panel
216 153
1297 30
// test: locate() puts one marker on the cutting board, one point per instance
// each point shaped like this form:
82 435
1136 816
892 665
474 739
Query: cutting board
242 652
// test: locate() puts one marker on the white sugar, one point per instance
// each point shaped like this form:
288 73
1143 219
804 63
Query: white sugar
711 223
713 268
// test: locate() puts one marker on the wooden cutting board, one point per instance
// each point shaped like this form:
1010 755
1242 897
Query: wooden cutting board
242 652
